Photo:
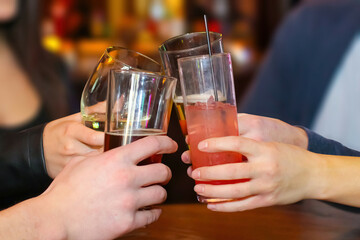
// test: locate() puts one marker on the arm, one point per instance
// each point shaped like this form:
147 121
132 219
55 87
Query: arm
29 158
21 162
78 205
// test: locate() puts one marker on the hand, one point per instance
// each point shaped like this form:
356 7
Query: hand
266 130
279 174
67 138
99 197
271 130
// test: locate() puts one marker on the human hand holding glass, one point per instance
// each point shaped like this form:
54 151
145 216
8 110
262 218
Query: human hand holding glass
207 87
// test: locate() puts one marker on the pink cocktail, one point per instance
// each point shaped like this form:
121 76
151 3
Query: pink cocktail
210 120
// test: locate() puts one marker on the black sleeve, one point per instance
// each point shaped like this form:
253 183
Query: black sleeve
22 166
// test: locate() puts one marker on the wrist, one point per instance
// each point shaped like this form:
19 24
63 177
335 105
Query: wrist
46 223
317 184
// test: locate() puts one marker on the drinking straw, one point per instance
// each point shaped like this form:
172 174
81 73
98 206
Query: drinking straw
211 64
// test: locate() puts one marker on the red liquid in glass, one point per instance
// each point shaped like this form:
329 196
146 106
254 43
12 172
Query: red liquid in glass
210 120
118 138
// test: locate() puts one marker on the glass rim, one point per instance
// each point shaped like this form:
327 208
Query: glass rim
117 48
203 56
150 74
218 35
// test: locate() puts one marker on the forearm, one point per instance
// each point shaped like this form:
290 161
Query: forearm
338 180
31 219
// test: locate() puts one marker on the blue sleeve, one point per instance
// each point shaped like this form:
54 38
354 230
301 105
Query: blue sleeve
319 144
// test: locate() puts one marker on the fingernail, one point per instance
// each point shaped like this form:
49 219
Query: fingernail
185 157
199 188
203 145
211 206
196 174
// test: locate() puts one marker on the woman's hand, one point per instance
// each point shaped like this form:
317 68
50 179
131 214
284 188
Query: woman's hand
66 138
279 174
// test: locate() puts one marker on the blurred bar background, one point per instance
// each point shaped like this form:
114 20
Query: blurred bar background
80 30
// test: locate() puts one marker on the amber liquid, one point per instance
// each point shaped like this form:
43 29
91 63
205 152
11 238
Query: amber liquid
181 114
119 138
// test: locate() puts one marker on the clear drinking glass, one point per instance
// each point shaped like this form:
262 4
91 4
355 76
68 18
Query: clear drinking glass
94 94
190 44
207 87
138 105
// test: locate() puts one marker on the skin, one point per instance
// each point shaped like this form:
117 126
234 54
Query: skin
271 130
8 9
67 138
279 173
22 99
97 197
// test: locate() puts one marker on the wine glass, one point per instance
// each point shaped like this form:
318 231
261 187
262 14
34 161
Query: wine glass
93 99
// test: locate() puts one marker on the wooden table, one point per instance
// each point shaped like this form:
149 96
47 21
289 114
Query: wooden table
305 220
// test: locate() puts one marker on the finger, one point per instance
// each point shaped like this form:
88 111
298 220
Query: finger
189 171
146 217
228 171
240 205
143 148
231 191
157 173
150 196
238 144
86 135
185 157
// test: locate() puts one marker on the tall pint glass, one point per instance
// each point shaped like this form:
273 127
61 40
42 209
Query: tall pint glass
138 105
207 87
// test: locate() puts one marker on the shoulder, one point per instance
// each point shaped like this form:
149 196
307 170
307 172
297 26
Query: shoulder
314 20
324 11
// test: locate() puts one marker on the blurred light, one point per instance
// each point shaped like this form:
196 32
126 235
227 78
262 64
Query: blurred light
240 53
52 43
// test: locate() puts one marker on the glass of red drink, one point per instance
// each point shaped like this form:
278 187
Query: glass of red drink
207 87
189 44
138 105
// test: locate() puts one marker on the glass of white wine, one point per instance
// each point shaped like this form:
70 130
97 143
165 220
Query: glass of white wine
93 99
